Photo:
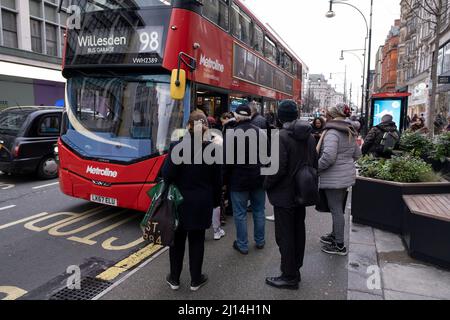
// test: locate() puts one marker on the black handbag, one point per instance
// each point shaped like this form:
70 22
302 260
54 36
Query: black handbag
306 183
322 205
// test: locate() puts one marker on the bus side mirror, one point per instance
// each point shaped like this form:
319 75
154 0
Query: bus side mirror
178 84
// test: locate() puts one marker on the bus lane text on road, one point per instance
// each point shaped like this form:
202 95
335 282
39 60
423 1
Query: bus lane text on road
58 226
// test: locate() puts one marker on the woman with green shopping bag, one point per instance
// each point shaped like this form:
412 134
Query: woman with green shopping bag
200 186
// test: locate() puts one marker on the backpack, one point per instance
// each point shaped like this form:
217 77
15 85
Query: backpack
388 142
306 180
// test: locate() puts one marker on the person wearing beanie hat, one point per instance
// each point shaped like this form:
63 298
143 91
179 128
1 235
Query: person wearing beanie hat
287 111
340 111
297 146
338 151
245 183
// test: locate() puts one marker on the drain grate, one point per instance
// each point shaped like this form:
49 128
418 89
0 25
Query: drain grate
90 288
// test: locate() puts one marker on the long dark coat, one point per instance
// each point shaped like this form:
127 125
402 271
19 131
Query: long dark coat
200 186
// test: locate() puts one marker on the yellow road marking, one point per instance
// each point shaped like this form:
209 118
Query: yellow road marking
129 262
55 230
23 220
12 293
88 239
72 215
107 244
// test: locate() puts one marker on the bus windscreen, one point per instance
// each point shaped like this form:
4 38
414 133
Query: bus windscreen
121 118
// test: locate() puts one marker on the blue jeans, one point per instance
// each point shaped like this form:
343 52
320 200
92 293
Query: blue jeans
239 201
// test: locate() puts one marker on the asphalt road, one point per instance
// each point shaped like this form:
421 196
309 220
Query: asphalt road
45 234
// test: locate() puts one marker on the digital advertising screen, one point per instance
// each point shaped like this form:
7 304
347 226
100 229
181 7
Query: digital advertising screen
235 103
383 107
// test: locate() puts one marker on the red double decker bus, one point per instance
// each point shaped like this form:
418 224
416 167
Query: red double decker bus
120 114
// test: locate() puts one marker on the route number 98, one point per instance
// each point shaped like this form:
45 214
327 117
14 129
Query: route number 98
150 41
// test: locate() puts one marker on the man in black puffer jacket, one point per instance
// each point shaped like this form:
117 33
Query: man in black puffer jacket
297 145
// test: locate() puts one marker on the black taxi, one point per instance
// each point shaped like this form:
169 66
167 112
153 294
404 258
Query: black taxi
27 140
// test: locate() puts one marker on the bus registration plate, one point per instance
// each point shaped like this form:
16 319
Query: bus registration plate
104 200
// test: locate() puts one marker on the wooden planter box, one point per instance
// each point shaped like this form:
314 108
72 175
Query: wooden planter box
379 203
427 228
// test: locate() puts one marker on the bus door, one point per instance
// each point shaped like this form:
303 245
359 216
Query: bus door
270 108
213 104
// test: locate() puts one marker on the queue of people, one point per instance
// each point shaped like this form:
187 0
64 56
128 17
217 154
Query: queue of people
327 146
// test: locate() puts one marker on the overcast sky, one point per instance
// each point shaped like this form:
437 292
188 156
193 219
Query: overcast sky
318 40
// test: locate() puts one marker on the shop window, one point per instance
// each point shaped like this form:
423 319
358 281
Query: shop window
440 61
9 26
446 65
217 12
51 39
36 8
50 13
36 35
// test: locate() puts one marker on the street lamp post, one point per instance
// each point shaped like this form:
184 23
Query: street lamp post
331 14
363 66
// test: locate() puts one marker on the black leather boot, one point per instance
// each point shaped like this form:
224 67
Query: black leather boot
283 282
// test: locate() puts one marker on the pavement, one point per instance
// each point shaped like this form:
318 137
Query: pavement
237 277
380 269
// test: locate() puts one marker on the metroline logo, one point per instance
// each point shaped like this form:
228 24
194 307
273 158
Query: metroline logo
102 172
211 64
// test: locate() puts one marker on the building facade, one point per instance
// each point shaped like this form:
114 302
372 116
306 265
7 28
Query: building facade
375 85
31 47
389 60
321 94
415 53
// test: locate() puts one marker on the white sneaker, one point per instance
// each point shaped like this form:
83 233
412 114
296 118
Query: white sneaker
219 234
270 218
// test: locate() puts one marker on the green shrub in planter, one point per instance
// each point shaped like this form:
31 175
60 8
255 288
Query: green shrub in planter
406 169
441 149
415 143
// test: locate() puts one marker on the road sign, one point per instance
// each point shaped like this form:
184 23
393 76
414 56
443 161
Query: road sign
444 80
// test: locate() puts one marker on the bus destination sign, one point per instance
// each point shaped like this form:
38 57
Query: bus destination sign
122 46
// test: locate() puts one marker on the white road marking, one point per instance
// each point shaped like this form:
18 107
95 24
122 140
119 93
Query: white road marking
8 207
46 185
6 186
23 220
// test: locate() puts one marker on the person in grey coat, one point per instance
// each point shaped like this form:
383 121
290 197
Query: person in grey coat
338 152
